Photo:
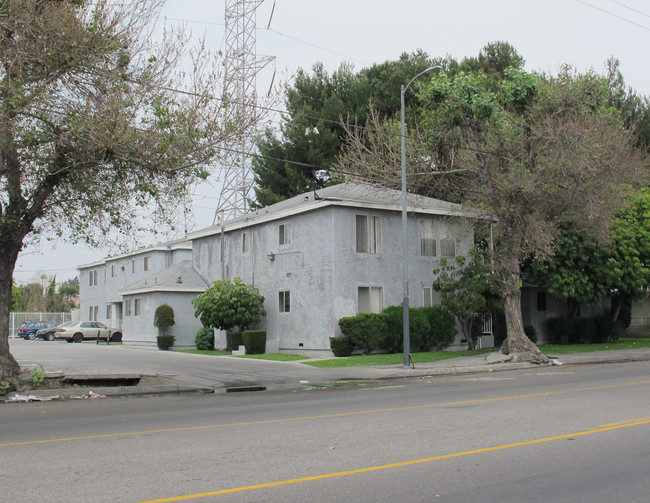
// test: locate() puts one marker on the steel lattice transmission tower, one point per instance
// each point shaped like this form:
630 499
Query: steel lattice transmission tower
241 67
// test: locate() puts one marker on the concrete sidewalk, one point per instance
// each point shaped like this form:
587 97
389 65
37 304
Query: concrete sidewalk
295 375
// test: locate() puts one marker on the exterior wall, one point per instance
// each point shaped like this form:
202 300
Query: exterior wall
322 270
640 322
115 273
139 329
533 315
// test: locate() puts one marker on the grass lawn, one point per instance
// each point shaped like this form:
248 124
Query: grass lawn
397 358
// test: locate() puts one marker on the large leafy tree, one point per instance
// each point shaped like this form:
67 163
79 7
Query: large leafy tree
525 150
97 120
299 158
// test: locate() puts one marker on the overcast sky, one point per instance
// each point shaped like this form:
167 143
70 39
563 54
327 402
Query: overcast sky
583 33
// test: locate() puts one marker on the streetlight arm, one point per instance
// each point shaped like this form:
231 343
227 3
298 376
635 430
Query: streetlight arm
431 69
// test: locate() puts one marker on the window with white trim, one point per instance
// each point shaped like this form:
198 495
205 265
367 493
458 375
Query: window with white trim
368 230
447 247
137 306
285 301
128 307
244 243
371 299
284 234
109 311
147 263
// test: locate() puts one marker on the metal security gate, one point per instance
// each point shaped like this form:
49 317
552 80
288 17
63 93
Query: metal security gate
17 319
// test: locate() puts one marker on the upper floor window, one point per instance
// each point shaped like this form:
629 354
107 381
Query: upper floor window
92 277
132 266
128 307
147 263
427 238
371 299
284 234
137 306
447 247
244 243
285 301
368 234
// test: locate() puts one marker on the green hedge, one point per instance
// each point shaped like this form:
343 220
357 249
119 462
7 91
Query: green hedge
255 341
442 328
204 339
365 330
233 341
165 341
341 346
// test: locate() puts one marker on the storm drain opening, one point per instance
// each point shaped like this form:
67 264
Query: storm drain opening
100 381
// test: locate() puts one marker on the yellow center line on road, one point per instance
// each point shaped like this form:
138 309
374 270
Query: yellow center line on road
393 465
541 394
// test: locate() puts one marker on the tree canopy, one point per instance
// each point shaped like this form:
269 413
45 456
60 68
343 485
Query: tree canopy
99 118
523 149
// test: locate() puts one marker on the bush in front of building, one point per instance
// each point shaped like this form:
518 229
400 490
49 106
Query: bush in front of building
365 330
233 341
418 329
442 328
204 339
165 342
164 317
254 341
341 346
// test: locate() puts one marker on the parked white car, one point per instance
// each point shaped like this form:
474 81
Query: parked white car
77 331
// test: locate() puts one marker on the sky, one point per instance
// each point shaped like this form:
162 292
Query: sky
299 33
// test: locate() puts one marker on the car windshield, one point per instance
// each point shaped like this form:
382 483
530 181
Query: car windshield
67 323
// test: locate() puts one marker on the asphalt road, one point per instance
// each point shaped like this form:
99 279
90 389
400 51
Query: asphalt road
560 434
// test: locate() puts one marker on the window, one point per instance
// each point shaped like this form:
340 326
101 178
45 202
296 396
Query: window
92 277
285 234
90 312
368 234
427 238
96 314
147 265
541 301
109 312
128 307
112 270
285 301
132 266
371 299
244 243
136 307
447 247
427 296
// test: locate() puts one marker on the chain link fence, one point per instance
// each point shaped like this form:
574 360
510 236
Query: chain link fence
17 319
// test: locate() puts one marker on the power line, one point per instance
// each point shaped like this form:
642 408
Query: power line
613 15
630 8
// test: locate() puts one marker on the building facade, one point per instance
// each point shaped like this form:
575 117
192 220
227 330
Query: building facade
315 258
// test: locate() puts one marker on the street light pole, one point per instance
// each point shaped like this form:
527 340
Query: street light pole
405 267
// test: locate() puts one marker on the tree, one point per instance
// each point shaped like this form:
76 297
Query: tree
226 305
16 297
522 149
98 120
300 159
467 288
163 318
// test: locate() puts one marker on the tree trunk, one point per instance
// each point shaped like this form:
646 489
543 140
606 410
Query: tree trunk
9 368
517 343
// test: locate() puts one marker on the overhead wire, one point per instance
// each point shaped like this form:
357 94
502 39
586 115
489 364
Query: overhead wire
614 15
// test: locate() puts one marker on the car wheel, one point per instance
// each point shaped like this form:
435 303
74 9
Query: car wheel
69 340
49 337
77 337
30 337
116 337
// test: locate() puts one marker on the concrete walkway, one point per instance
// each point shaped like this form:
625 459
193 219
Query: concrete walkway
168 372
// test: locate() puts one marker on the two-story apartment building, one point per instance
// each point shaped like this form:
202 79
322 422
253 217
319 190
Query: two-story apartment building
315 258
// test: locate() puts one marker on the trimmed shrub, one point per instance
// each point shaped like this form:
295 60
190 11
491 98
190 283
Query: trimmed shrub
204 339
365 330
531 333
233 341
581 330
164 317
165 342
418 329
255 341
341 346
442 328
605 329
558 329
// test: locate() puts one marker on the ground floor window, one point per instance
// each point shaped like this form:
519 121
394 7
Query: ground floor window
285 301
128 307
427 296
371 299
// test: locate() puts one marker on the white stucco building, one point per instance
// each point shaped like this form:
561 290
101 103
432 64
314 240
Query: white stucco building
315 258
